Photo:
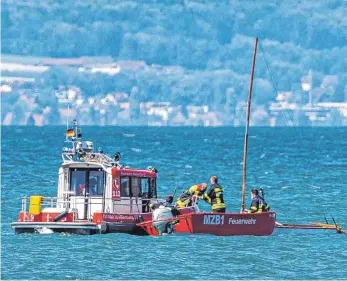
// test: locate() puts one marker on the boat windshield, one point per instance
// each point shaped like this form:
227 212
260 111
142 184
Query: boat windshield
87 182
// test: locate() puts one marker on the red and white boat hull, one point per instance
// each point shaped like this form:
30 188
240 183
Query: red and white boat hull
100 223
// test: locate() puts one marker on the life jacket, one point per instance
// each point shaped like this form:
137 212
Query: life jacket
215 197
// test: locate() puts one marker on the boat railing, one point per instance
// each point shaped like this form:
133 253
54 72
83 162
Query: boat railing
97 157
67 204
193 202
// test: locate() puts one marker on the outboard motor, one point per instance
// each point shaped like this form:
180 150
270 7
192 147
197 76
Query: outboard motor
163 226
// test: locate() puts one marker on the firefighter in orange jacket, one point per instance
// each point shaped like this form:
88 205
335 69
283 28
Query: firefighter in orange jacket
186 199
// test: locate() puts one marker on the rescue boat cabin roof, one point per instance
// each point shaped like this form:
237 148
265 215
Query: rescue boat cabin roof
134 173
124 172
82 155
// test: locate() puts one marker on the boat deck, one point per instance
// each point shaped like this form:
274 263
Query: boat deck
80 227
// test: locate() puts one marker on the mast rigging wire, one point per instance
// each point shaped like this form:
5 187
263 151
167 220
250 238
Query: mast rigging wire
273 80
275 85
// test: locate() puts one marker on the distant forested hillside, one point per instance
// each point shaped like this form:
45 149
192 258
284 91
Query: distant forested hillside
209 39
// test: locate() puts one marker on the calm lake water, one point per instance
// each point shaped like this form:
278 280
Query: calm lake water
303 172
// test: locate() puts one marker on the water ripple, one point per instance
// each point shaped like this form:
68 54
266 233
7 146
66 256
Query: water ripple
301 183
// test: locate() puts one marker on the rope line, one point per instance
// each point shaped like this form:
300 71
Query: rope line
275 85
273 80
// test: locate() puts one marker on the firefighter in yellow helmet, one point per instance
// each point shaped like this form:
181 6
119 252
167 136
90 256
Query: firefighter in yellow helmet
215 196
187 197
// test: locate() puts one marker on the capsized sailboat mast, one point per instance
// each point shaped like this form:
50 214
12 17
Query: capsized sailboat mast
247 125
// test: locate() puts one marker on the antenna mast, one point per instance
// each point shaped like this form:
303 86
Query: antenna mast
67 119
247 125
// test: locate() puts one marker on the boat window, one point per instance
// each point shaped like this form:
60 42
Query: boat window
136 187
153 188
145 185
78 182
85 181
96 183
125 187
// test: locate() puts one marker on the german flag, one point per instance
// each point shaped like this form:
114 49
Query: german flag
70 133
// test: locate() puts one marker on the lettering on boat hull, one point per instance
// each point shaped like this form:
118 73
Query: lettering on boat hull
214 219
242 221
219 220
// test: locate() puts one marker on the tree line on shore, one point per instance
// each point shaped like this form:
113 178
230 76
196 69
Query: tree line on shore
212 41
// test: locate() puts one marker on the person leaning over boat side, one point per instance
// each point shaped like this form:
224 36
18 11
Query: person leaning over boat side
186 199
258 204
215 196
167 203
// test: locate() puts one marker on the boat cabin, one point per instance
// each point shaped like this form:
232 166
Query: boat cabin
89 188
96 194
92 182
